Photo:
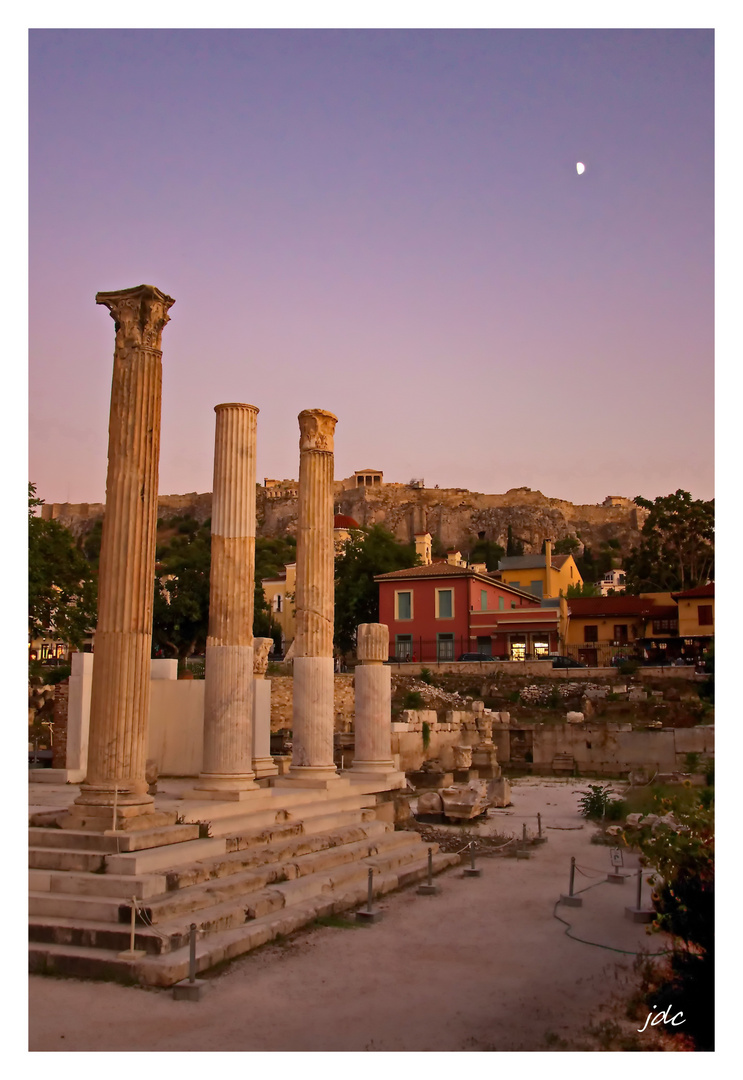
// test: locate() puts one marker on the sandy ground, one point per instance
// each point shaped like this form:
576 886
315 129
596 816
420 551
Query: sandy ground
482 966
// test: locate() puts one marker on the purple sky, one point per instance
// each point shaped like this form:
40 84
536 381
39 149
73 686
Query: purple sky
387 224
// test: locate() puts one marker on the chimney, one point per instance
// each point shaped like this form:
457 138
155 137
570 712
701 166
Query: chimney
548 568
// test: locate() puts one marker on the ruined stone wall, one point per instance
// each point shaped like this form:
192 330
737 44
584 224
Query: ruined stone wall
454 516
282 687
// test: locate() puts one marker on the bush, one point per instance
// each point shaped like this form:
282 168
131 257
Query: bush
426 733
595 801
628 667
709 772
691 762
426 676
413 700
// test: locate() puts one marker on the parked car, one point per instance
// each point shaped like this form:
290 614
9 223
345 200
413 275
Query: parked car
475 656
565 661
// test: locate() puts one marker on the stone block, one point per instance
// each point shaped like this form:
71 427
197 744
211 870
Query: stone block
575 717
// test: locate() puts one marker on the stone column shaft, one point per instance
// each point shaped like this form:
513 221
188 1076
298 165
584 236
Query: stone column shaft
313 709
228 692
373 694
120 692
263 763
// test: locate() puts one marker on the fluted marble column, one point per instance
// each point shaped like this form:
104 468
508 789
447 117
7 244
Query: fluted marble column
227 766
263 763
373 708
312 724
119 709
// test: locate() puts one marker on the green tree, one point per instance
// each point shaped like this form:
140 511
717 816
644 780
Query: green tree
369 551
568 545
62 590
586 589
271 555
676 549
181 599
487 551
684 899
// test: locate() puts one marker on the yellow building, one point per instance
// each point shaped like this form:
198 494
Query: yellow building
602 627
545 575
696 612
279 594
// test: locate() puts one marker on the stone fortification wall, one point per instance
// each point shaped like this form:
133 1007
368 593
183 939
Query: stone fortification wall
454 516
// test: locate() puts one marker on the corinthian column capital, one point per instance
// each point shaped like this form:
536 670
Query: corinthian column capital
316 428
139 314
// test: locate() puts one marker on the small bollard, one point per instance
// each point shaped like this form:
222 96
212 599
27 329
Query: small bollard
131 953
570 899
370 914
472 870
539 838
521 852
639 914
190 989
429 889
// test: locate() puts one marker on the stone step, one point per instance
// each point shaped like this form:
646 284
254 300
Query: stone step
114 843
274 799
154 859
91 952
82 908
169 922
253 857
234 820
91 862
123 886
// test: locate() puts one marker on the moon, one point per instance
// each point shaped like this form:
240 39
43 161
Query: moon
580 168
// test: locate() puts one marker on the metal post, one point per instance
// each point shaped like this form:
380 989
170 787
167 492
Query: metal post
472 856
192 954
523 834
539 825
370 892
134 919
639 889
430 866
572 874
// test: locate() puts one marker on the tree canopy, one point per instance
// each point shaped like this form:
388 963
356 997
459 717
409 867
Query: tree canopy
487 551
62 592
369 551
181 600
676 549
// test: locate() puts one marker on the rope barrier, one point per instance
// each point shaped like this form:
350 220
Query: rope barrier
598 944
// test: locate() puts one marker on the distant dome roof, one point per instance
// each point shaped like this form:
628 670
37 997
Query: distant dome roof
343 521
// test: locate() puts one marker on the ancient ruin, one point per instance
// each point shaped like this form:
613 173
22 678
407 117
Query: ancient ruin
228 708
114 793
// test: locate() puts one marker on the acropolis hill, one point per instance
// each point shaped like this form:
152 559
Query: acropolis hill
455 516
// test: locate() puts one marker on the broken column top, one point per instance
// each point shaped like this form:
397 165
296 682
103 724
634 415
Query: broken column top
372 642
236 405
261 648
140 313
316 429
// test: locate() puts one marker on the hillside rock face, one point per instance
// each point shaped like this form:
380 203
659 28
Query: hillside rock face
455 516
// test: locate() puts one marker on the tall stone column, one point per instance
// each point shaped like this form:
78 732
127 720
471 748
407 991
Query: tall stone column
117 748
227 769
373 708
263 763
313 710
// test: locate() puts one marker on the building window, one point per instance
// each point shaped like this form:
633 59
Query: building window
278 602
536 587
705 614
485 646
513 604
444 604
541 647
483 599
516 584
444 647
665 626
590 633
403 646
620 635
403 606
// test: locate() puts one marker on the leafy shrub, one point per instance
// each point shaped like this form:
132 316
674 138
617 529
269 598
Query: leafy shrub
426 676
595 801
628 667
413 700
426 733
691 762
709 772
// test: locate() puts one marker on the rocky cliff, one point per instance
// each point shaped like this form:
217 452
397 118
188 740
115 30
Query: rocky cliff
455 516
